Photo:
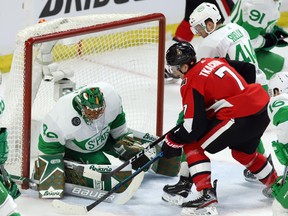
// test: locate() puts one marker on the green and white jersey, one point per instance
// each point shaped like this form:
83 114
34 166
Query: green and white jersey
278 114
230 41
258 17
63 126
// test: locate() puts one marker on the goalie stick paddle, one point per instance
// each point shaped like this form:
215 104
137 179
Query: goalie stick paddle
75 209
105 176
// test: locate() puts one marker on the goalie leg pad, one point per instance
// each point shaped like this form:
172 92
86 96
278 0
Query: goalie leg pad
49 170
74 177
167 167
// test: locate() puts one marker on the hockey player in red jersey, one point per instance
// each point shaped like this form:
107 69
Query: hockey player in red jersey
220 110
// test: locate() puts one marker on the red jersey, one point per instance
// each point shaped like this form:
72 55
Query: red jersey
217 87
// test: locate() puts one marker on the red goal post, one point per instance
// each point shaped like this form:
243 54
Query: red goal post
134 42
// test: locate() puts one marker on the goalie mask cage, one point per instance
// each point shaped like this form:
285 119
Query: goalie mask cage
125 50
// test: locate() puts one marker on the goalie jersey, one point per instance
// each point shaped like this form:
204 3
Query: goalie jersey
63 126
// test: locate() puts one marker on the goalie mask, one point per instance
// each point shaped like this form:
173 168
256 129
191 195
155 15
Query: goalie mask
202 13
90 104
278 84
180 53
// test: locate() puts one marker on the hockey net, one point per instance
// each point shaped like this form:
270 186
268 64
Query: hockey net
125 50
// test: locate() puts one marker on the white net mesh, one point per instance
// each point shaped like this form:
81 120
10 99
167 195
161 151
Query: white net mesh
126 57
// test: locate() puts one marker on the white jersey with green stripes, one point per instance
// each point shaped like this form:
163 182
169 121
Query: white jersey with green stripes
257 17
64 126
233 42
278 114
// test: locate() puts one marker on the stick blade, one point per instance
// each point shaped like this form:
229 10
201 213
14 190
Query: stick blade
126 195
69 208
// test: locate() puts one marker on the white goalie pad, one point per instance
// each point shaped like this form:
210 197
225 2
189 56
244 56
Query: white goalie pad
206 211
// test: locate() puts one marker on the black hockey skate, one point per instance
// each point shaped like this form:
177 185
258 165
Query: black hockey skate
204 205
175 194
250 177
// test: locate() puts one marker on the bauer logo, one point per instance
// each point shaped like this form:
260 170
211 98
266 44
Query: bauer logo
87 193
52 8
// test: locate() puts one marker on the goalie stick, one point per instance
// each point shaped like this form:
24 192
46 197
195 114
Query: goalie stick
90 193
105 176
75 209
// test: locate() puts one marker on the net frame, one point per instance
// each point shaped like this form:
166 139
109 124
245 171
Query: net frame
28 69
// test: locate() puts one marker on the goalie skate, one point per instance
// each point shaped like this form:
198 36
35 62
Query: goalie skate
175 194
204 205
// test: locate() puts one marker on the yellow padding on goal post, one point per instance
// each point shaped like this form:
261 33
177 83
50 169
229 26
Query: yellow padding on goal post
283 20
6 60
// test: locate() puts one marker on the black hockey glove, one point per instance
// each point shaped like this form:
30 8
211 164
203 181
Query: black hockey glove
139 162
171 149
270 41
281 34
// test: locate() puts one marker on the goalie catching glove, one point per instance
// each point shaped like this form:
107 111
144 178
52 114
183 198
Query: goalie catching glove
281 152
127 147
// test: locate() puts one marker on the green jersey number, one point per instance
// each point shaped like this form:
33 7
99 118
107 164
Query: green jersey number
276 104
256 15
48 134
246 53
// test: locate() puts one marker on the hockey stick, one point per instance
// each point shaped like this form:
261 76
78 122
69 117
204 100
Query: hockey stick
5 177
285 174
75 209
90 193
94 171
105 176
